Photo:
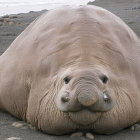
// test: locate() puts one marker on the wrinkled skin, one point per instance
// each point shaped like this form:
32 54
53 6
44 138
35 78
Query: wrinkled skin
54 75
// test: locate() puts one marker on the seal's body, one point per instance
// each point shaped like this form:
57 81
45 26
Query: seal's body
74 68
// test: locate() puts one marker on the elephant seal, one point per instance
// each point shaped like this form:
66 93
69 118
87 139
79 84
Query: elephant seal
74 68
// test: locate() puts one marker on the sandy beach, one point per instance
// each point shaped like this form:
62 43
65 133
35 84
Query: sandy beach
12 25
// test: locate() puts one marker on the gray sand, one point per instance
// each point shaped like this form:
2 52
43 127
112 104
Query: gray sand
11 26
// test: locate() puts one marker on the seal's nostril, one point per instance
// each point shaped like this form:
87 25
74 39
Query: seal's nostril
65 99
106 97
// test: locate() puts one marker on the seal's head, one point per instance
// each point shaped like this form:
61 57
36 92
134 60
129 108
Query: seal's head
84 95
91 99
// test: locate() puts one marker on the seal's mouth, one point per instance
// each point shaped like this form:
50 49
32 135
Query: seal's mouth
84 117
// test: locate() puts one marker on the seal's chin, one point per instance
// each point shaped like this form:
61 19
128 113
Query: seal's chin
84 117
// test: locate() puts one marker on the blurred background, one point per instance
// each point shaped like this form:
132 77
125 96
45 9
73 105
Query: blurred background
24 6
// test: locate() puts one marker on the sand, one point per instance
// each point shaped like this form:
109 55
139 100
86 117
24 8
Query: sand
12 25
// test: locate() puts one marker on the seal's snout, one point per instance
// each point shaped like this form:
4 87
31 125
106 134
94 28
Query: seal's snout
87 98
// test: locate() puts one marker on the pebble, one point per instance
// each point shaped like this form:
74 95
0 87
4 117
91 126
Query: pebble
77 134
31 127
135 8
6 19
18 124
13 138
135 127
89 136
7 34
23 125
19 24
11 23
